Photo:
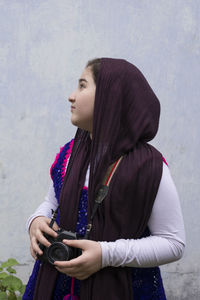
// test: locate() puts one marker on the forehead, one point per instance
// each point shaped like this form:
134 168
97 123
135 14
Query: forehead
87 74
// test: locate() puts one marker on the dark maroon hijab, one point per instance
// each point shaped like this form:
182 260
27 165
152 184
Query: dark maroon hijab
126 117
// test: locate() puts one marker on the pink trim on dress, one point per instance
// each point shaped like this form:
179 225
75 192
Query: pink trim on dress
165 161
85 188
66 158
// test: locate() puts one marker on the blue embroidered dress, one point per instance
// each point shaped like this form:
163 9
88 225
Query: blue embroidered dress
147 282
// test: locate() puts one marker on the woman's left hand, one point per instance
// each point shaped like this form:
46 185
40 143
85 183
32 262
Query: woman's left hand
84 265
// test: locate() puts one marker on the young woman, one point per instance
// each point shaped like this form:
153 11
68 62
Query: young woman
139 224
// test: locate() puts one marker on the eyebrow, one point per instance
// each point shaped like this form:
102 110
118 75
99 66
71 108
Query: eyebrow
82 79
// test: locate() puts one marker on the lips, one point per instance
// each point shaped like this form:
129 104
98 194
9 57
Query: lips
72 108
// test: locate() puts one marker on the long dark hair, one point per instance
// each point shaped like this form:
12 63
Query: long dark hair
94 64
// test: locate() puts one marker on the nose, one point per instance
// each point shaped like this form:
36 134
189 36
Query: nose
72 97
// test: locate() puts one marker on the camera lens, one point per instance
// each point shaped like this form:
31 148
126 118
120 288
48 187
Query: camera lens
59 251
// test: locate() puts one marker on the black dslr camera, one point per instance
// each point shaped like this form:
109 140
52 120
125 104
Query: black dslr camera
58 251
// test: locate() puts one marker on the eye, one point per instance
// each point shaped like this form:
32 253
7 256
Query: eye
81 86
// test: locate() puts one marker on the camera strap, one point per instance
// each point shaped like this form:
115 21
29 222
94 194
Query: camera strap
102 193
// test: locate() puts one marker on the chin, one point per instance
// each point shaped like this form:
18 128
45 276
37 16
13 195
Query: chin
80 125
74 122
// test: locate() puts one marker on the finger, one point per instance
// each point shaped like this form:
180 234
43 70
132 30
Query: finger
33 253
42 239
45 228
55 226
35 246
63 264
82 244
73 263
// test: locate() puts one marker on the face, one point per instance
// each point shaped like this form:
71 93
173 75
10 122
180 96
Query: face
82 101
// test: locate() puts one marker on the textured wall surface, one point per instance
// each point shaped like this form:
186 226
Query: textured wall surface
44 46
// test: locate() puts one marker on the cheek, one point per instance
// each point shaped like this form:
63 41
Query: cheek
85 110
91 104
87 107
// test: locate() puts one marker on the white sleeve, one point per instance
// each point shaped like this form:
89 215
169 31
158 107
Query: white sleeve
167 240
45 208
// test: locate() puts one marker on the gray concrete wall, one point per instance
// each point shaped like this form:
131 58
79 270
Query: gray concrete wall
44 46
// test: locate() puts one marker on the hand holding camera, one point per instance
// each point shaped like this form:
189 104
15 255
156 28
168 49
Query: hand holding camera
45 234
38 227
85 265
47 243
59 251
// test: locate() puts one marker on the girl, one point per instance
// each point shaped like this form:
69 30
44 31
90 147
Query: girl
139 224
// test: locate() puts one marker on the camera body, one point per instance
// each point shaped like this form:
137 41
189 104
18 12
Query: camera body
58 251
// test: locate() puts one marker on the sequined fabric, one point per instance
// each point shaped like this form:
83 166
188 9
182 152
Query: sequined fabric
58 169
147 284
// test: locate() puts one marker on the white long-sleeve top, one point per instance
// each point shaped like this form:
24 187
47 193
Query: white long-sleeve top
166 242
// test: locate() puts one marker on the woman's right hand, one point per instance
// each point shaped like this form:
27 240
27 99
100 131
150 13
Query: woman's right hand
38 227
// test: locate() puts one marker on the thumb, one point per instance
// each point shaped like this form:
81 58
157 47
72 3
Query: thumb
76 243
